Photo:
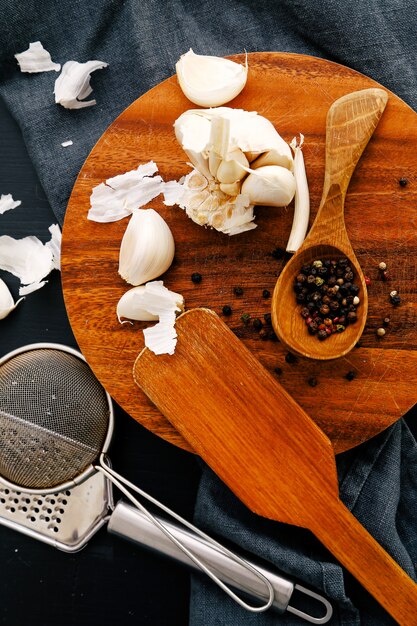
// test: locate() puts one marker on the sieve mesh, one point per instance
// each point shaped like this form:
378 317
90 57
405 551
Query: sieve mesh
54 417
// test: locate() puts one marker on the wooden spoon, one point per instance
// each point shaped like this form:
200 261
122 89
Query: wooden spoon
351 121
263 445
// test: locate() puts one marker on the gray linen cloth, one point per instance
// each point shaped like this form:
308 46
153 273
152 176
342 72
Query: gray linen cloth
141 41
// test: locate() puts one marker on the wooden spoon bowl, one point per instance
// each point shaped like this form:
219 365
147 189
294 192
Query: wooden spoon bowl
350 123
291 327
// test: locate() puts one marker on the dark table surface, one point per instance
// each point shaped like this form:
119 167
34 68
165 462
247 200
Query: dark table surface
110 581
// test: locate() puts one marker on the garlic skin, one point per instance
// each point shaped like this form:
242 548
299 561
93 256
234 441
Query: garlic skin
36 59
271 185
210 81
73 84
7 304
7 203
157 303
127 307
147 248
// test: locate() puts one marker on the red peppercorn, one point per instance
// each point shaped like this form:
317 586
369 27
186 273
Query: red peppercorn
367 281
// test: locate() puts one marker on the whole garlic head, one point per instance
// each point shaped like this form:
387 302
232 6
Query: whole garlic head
227 146
147 248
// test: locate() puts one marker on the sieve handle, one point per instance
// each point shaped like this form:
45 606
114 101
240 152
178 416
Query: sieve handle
129 523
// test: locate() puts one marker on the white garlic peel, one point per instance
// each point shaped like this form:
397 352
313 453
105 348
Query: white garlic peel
147 248
210 81
226 147
73 84
7 304
36 59
29 259
302 199
158 302
120 195
128 309
7 203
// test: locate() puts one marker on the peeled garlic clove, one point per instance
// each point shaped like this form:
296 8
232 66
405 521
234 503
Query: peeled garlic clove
302 199
128 307
147 249
271 185
210 81
272 157
7 303
230 170
219 141
231 189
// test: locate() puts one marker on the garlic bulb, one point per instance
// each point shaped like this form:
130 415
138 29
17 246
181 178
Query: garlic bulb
147 248
271 185
210 81
227 148
7 303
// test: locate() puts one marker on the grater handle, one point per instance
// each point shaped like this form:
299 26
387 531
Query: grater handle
129 523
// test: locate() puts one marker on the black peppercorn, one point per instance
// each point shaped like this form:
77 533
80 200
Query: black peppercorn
321 334
227 310
278 253
257 323
312 381
278 371
267 318
403 182
238 291
291 358
266 293
196 277
350 375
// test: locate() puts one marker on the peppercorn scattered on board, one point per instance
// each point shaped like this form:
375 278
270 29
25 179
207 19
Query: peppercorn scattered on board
294 92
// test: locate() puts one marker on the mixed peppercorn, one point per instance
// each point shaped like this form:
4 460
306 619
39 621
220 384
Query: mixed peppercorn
328 296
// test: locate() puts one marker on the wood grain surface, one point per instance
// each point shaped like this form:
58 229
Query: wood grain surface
268 451
295 93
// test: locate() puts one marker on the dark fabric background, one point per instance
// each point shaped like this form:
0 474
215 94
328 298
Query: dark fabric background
141 41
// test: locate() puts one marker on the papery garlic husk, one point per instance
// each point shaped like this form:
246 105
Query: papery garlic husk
210 81
134 304
7 304
73 84
7 203
147 248
128 309
271 185
156 300
36 59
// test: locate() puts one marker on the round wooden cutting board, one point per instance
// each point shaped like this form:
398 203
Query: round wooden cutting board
352 398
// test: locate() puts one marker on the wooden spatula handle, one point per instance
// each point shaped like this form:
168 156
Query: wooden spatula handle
362 555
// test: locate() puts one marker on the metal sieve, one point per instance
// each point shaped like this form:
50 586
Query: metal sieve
56 423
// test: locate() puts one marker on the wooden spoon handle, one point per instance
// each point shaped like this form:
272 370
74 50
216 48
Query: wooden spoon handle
351 121
362 555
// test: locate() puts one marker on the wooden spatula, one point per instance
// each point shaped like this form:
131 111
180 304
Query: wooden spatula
262 444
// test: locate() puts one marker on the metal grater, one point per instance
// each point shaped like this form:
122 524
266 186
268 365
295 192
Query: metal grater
65 520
